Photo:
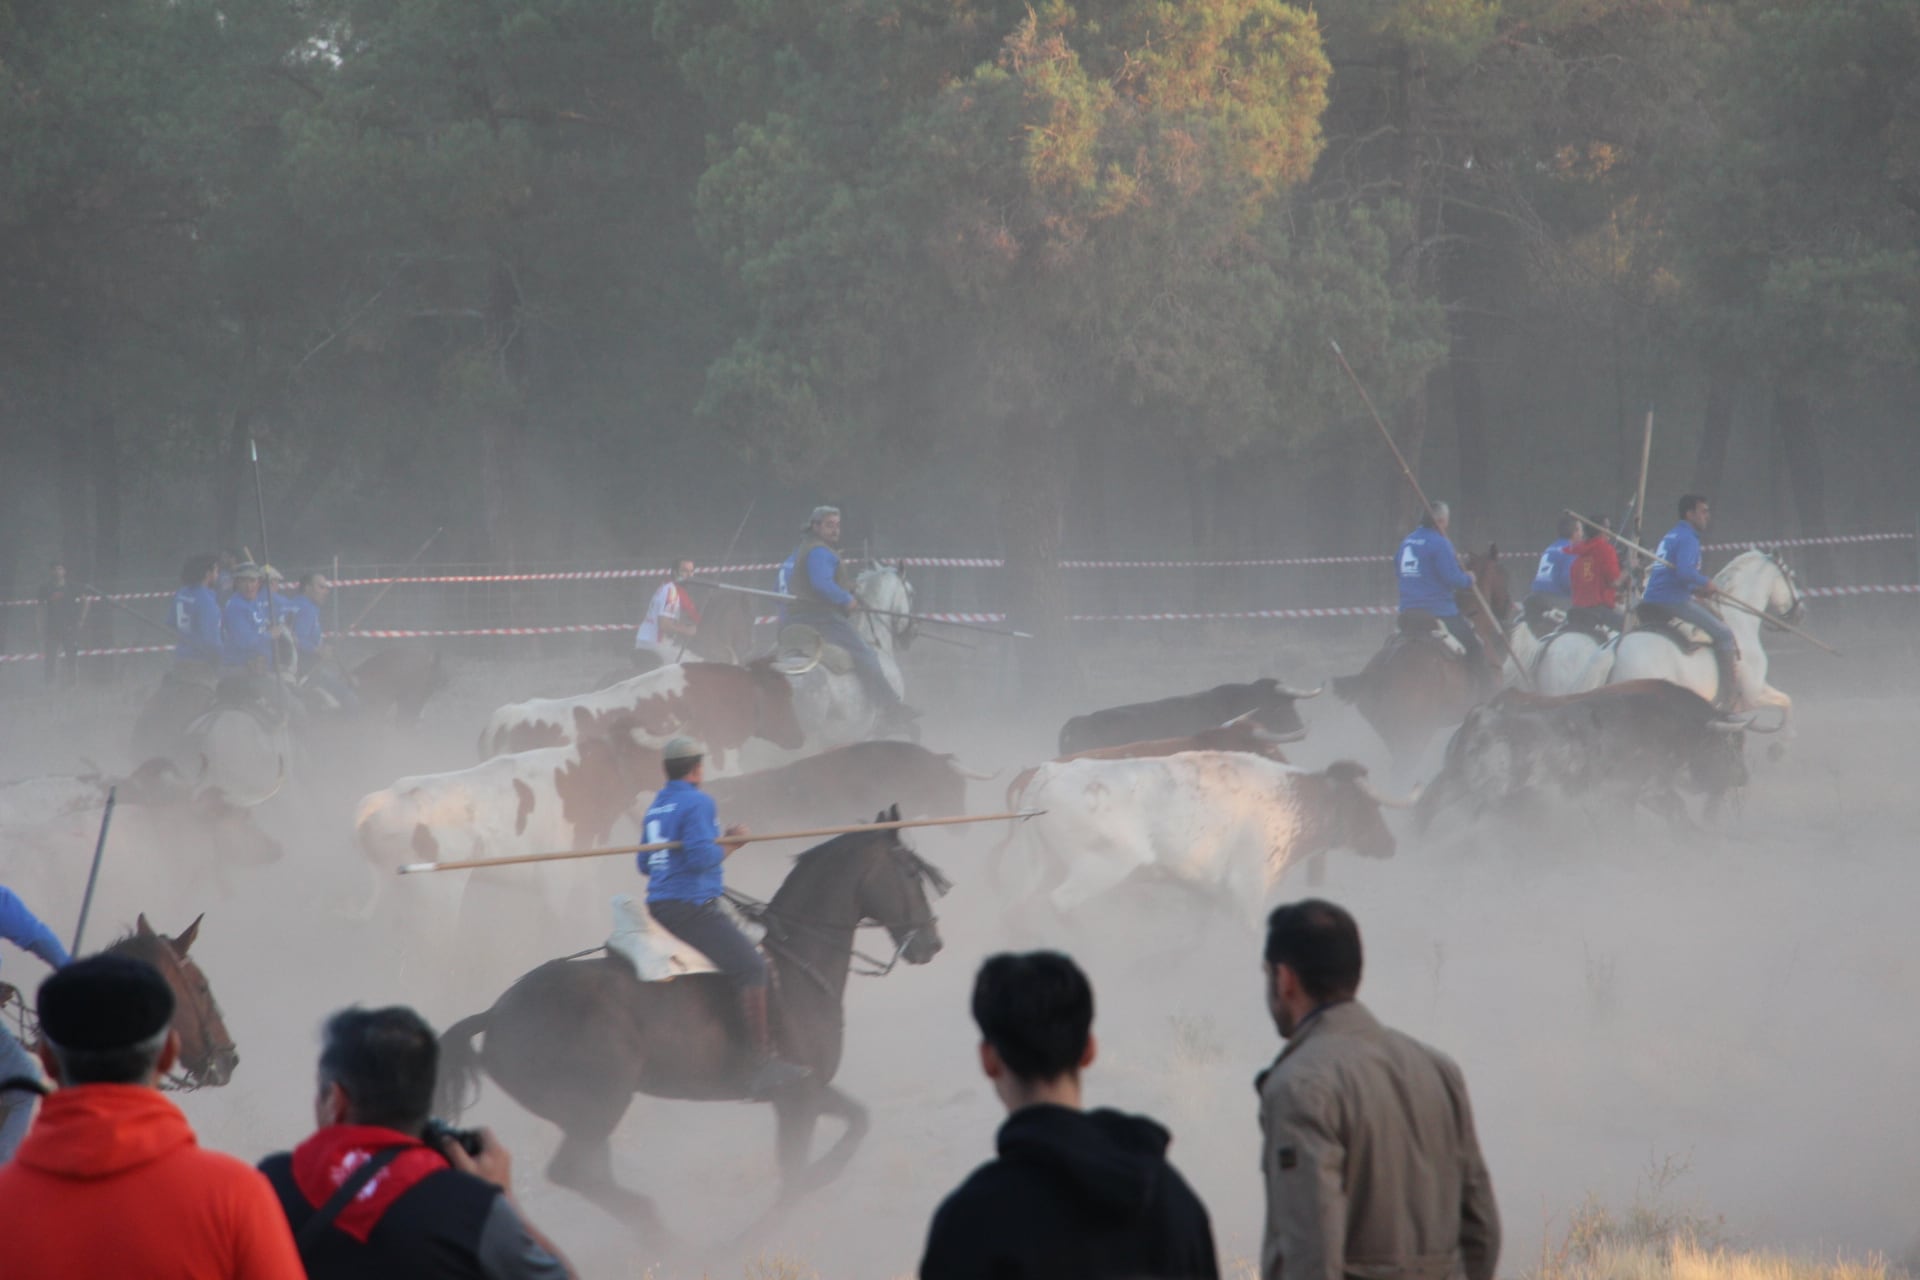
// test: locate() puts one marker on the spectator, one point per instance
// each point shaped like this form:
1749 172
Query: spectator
23 929
431 1209
1074 1195
1372 1166
60 617
110 1181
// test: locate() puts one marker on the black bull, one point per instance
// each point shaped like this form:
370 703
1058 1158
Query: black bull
843 785
1638 742
1270 702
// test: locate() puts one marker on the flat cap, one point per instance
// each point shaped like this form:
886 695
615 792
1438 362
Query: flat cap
103 1003
683 748
248 570
821 513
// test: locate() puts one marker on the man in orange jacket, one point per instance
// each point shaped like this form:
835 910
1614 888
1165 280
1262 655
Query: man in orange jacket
110 1181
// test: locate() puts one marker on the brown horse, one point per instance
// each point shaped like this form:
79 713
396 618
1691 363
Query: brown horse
207 1055
398 680
1415 685
575 1039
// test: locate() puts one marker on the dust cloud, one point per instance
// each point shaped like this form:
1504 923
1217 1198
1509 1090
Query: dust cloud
1622 997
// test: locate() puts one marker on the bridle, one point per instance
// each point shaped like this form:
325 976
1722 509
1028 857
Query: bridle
781 924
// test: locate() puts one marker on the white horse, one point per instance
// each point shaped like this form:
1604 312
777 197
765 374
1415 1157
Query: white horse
1561 663
831 704
1758 579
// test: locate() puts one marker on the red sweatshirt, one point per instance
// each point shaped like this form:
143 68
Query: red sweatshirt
111 1182
1596 567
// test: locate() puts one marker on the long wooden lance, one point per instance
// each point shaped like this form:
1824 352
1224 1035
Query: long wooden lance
1718 594
473 864
879 613
1640 494
1499 623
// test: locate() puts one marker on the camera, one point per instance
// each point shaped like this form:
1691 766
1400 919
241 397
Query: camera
439 1133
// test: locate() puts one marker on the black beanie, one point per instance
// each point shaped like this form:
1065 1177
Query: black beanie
104 1003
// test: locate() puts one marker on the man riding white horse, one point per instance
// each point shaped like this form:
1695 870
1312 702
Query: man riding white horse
1551 592
1429 574
1676 590
814 576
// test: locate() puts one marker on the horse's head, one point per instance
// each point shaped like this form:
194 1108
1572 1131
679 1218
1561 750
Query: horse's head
1764 581
1784 598
207 1055
1487 570
884 589
893 891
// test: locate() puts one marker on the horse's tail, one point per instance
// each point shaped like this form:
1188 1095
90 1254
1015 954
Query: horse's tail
459 1084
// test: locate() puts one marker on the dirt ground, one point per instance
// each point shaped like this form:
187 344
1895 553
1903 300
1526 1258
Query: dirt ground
1623 999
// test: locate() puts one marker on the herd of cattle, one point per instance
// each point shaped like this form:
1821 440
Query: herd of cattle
1194 787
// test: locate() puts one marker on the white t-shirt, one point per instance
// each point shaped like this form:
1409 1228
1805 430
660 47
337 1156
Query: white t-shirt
666 603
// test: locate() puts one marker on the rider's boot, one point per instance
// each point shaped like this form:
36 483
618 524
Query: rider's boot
770 1076
1729 693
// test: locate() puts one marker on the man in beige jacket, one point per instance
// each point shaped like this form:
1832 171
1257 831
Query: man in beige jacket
1372 1167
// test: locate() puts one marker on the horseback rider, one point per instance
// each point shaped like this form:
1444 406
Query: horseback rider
246 655
1430 573
672 618
1552 589
816 579
196 616
683 895
23 929
1596 579
318 665
1676 591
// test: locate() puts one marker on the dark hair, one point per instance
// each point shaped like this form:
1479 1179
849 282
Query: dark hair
305 580
195 570
679 769
1320 942
1036 1010
133 1064
385 1061
1688 501
1569 526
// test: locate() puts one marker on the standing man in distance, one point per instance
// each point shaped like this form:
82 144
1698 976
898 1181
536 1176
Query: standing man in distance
1371 1161
671 621
430 1209
1676 588
1073 1194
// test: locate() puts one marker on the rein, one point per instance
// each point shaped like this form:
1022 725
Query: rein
776 924
26 1029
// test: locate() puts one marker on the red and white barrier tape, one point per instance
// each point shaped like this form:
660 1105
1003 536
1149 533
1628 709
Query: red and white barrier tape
1878 589
91 653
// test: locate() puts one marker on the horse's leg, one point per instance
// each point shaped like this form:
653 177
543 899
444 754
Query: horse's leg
584 1163
798 1117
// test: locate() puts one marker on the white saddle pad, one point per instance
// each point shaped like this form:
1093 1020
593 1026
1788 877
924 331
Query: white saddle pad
654 953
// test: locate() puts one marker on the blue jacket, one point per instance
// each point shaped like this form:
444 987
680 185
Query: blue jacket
23 929
822 567
303 616
1430 573
196 618
691 873
1676 585
244 626
1554 577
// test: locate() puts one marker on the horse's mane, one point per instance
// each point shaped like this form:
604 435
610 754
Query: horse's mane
843 845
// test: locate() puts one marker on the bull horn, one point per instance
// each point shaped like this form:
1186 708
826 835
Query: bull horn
1386 802
1242 718
1296 694
1278 739
1734 724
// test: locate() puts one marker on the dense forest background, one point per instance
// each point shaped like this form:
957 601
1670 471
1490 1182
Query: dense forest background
586 278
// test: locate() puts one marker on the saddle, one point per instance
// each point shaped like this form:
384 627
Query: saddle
1418 624
799 645
1654 620
1544 614
654 956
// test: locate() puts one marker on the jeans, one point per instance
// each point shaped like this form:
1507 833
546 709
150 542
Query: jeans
835 629
16 1108
708 930
1700 616
1594 616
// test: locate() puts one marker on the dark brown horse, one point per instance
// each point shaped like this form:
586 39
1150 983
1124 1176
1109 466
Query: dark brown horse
397 681
1416 686
207 1055
575 1039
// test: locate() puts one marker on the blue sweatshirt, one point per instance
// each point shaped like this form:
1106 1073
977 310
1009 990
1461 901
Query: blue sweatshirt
1676 585
196 618
244 626
23 929
1554 577
691 873
1430 573
303 616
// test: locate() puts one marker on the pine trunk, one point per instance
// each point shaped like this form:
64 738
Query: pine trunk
1716 433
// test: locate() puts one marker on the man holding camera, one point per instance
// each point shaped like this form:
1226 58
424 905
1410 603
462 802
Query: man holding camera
380 1190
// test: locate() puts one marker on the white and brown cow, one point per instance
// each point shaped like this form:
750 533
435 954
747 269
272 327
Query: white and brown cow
1223 822
723 706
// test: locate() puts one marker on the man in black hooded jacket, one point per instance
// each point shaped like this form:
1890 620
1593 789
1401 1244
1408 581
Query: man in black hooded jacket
1074 1195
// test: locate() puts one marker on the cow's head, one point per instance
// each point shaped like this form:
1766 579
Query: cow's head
775 718
1351 817
1273 708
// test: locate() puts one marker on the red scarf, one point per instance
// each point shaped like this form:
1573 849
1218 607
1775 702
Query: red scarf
329 1157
